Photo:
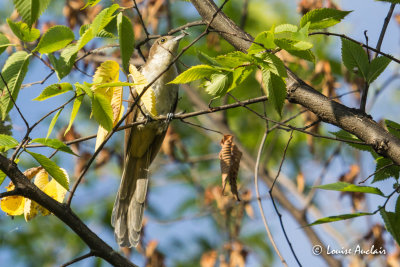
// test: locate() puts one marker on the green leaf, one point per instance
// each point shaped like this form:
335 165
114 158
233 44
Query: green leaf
101 34
103 18
54 90
113 84
99 22
342 134
54 39
393 128
290 45
7 142
276 89
219 84
206 59
195 73
2 177
23 32
323 18
13 72
274 64
91 3
233 59
53 122
263 41
392 171
126 40
339 218
239 75
85 88
304 54
64 64
30 10
392 223
75 108
354 57
102 111
4 43
286 28
390 1
347 187
51 168
54 143
376 67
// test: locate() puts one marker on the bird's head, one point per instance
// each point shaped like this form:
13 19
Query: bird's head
164 48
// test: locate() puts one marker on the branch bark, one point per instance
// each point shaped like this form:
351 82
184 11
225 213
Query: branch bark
330 111
97 246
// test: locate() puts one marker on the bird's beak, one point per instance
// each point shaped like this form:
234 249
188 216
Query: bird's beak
180 36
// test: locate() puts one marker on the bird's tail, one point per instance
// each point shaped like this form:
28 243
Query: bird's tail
127 214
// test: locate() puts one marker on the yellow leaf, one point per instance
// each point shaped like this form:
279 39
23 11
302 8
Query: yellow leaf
31 209
149 97
41 179
116 104
13 205
107 72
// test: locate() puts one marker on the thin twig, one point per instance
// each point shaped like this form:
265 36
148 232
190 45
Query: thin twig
88 255
245 12
357 42
283 159
141 18
13 100
274 204
256 170
39 82
377 171
384 27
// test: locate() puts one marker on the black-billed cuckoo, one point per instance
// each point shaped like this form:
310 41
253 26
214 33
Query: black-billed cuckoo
143 142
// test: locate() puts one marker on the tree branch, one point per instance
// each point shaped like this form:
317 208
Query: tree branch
64 213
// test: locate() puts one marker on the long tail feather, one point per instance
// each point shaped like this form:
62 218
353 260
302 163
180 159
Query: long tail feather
127 215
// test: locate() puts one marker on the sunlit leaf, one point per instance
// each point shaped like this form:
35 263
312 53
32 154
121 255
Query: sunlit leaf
23 31
30 10
339 218
149 98
56 172
54 90
7 142
53 122
13 72
12 205
56 38
126 40
195 73
102 111
347 187
54 143
354 57
323 18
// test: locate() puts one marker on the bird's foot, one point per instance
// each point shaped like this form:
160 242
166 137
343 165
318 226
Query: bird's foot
148 119
170 116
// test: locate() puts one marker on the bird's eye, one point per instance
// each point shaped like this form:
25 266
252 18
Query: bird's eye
163 40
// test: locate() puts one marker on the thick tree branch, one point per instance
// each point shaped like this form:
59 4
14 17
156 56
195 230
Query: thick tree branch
299 92
64 213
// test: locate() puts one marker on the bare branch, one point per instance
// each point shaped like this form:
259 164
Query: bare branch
256 171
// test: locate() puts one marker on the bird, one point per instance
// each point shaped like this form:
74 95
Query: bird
143 142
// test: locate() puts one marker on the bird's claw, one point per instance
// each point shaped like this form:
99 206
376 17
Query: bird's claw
148 119
170 116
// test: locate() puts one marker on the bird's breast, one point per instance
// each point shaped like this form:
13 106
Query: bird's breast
166 94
